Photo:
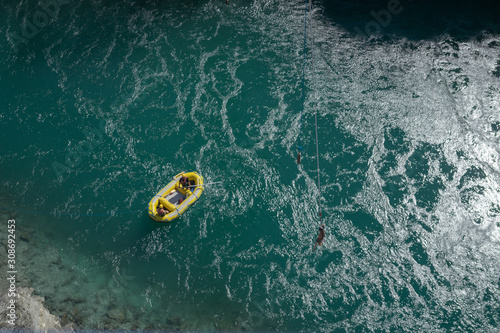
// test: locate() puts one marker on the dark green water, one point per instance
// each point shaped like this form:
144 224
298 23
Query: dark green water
107 101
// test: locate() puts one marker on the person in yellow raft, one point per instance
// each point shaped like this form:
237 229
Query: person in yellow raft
184 182
161 210
164 207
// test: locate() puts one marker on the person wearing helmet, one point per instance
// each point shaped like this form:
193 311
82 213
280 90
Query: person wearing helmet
161 211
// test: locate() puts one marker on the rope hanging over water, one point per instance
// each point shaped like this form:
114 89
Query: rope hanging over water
300 149
315 107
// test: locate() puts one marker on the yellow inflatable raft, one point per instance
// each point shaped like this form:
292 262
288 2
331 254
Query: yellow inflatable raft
175 197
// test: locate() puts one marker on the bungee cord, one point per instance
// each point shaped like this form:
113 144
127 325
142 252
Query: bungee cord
319 240
300 148
315 107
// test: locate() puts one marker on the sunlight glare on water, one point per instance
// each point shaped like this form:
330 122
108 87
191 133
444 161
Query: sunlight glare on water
109 101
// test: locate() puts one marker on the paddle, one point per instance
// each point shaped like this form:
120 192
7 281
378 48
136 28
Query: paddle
203 184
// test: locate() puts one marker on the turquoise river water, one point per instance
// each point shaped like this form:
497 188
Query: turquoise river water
102 102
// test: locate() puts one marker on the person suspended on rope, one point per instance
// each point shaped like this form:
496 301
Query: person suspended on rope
299 154
321 235
161 211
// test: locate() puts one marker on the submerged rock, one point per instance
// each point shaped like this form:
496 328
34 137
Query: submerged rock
174 322
30 312
116 315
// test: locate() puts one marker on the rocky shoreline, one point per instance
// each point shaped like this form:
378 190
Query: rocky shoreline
30 312
72 299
